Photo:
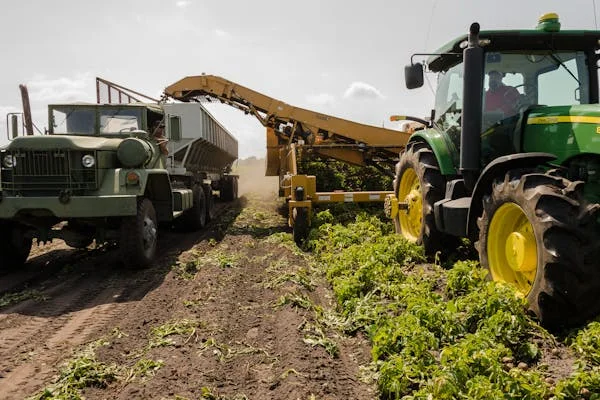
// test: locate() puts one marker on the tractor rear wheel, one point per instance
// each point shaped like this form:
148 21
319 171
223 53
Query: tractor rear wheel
538 234
419 183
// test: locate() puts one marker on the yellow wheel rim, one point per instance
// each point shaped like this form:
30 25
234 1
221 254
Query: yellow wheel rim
511 248
411 220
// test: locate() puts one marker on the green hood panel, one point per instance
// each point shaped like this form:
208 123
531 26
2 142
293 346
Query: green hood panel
50 142
563 131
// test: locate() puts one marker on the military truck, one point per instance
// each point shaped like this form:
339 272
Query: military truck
113 172
515 169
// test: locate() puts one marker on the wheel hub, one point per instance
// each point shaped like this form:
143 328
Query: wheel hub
512 248
520 251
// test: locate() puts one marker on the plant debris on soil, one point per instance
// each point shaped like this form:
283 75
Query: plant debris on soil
239 311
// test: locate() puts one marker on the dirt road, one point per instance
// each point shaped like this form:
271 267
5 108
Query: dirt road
233 312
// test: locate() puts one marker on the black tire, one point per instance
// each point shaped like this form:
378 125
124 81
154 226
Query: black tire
227 192
139 236
79 243
564 290
210 202
14 246
235 188
194 219
419 158
301 227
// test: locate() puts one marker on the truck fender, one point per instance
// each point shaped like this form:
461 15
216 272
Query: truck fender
497 169
158 190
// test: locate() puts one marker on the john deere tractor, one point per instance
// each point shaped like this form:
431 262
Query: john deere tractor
511 160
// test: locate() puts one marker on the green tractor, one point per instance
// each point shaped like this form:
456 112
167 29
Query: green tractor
511 160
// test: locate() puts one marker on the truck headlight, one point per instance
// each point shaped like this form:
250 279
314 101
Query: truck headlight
88 161
9 161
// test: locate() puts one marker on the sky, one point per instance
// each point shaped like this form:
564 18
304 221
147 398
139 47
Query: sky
340 57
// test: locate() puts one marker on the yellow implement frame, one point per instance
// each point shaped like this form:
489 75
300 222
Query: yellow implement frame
293 131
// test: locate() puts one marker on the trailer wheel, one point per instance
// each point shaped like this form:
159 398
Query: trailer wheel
539 235
14 246
300 228
139 236
210 202
420 183
194 219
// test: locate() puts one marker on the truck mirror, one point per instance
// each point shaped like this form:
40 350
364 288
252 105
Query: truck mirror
14 126
413 75
175 128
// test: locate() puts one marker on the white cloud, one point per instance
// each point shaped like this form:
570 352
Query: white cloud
321 99
63 89
222 34
362 91
183 3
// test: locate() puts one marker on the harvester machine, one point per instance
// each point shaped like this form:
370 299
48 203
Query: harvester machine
292 132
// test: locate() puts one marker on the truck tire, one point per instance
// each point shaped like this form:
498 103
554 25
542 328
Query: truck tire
300 228
420 183
210 202
228 189
139 236
194 219
538 234
14 246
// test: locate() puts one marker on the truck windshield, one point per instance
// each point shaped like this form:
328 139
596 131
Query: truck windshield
516 80
73 120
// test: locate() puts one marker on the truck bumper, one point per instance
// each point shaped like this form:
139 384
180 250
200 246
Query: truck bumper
76 207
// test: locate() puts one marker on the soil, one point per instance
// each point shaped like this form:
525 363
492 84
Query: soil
233 284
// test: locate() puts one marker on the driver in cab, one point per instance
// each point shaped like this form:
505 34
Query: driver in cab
501 97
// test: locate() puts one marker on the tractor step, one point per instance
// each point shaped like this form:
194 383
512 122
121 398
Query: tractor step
451 215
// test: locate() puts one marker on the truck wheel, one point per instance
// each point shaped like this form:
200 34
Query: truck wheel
194 219
235 188
139 236
420 183
300 228
539 235
210 202
228 192
14 246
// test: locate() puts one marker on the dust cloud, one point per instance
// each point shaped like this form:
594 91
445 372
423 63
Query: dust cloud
253 180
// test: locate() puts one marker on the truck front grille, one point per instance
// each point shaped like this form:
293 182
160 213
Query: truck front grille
46 172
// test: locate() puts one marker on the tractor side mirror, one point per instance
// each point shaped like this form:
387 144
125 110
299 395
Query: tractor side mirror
413 75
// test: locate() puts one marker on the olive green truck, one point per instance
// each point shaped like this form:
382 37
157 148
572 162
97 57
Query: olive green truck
112 173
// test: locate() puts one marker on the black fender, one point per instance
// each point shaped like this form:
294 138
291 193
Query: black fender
498 168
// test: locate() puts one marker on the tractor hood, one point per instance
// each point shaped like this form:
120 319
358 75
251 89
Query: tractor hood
50 142
566 131
584 114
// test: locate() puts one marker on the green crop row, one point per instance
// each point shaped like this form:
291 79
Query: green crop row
445 334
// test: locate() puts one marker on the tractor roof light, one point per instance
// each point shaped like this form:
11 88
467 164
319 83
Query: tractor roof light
548 23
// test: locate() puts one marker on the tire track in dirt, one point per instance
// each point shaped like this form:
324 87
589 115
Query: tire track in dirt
80 307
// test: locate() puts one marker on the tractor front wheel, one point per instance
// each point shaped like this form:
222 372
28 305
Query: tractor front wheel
539 235
419 183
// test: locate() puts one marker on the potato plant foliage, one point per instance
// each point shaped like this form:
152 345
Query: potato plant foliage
444 333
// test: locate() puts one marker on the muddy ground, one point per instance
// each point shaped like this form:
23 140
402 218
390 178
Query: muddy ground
235 311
